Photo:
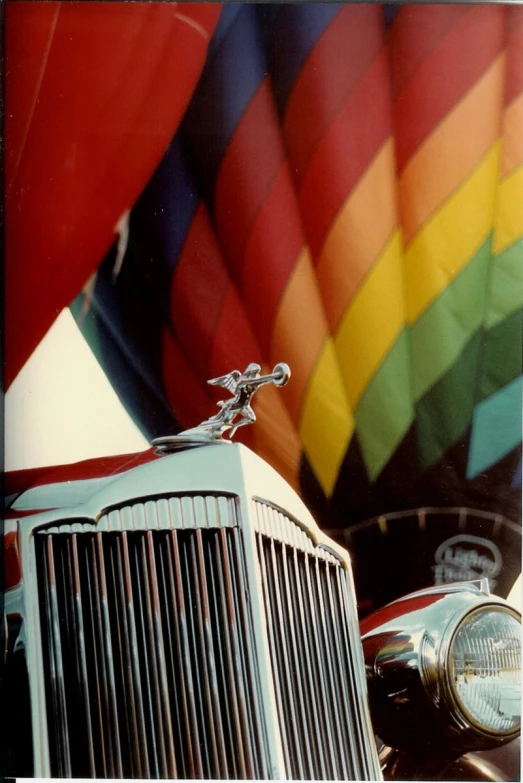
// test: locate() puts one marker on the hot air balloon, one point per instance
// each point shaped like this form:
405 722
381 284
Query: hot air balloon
343 194
90 108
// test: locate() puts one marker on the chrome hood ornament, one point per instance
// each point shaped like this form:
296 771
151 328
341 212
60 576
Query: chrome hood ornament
234 412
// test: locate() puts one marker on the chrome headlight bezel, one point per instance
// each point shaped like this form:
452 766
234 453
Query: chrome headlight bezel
408 654
455 703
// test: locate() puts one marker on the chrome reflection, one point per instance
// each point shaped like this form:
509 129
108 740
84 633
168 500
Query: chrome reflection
408 648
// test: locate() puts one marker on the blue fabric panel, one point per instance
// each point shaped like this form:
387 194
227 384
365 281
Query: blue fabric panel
124 324
496 428
228 83
294 30
163 214
228 16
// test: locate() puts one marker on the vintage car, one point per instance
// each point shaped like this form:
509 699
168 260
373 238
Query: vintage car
179 614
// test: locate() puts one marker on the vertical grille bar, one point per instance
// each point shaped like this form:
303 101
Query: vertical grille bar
313 641
268 590
98 691
200 702
320 679
187 685
155 622
150 663
148 632
208 664
121 665
302 623
355 730
150 654
213 615
137 740
297 657
333 683
106 638
361 719
289 694
350 727
56 662
239 706
171 661
81 653
238 599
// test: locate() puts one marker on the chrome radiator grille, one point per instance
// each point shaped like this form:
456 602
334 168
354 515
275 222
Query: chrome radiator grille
182 639
314 644
147 639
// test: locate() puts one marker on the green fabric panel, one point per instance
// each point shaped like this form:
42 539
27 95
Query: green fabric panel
445 412
496 429
490 360
506 287
502 356
442 332
385 411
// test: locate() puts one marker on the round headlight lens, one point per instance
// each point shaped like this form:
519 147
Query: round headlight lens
485 669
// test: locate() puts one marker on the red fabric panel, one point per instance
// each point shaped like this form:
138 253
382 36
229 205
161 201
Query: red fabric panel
234 343
515 53
345 151
211 328
253 159
446 75
275 242
210 324
190 400
332 70
415 34
199 288
94 92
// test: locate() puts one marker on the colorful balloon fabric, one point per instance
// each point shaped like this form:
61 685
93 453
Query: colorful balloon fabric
89 112
344 194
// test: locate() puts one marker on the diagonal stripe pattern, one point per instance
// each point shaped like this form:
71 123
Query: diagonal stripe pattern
345 194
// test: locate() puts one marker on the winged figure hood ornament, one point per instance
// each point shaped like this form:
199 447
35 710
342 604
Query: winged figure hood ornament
235 412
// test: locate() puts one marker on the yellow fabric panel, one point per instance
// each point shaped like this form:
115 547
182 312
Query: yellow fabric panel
509 211
326 437
372 321
299 331
452 151
448 241
358 234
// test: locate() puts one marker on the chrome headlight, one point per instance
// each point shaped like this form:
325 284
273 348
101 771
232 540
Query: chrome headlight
485 670
444 668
